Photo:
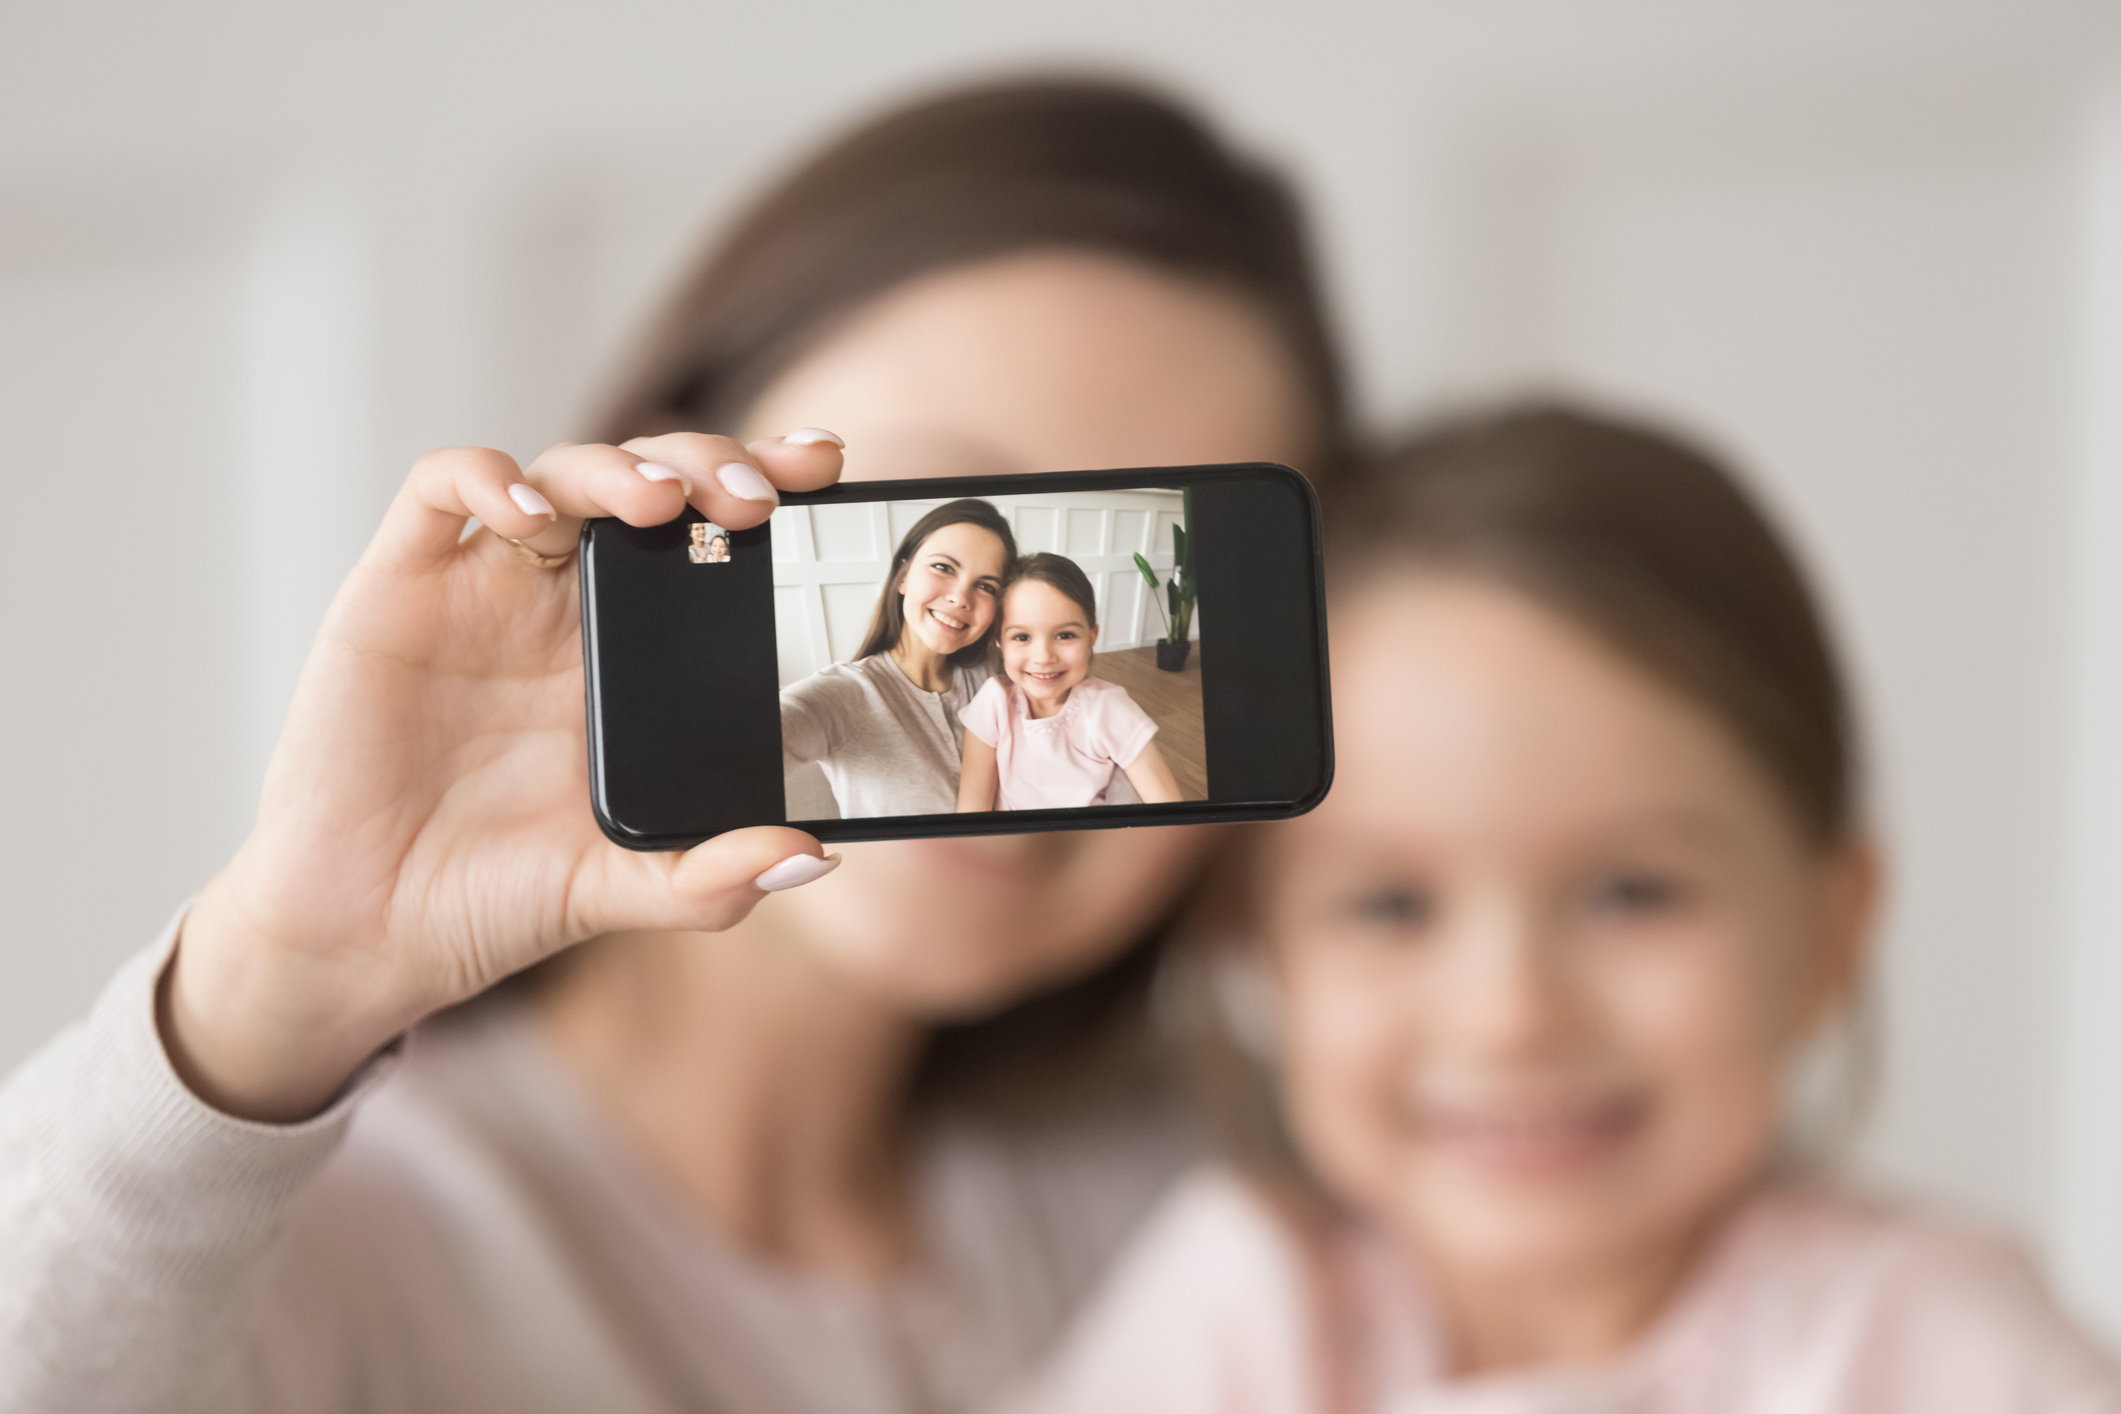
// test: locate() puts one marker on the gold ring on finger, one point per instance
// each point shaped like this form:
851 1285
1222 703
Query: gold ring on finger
535 558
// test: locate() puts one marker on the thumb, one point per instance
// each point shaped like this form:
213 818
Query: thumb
707 888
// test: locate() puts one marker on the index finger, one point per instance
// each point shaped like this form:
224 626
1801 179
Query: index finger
738 485
807 460
800 461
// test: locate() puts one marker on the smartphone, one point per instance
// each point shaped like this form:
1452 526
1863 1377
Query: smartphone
980 655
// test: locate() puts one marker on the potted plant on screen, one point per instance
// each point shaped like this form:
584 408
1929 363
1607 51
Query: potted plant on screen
1175 604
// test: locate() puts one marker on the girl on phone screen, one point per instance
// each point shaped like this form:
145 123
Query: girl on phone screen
1045 735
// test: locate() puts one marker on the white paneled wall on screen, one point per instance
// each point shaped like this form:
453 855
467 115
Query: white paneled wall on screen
829 564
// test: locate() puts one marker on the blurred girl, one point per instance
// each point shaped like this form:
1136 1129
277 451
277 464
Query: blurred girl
1046 735
1532 982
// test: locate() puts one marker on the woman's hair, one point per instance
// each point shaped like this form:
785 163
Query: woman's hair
1063 574
1647 543
973 175
888 624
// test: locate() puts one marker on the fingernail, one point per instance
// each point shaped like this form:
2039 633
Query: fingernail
811 436
744 483
795 871
656 471
529 502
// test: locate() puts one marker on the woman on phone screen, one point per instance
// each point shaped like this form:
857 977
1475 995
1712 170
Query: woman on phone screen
884 726
865 1149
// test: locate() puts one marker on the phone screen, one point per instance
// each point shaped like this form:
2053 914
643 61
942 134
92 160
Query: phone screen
962 656
1058 631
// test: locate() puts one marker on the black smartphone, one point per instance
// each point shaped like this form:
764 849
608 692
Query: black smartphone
979 655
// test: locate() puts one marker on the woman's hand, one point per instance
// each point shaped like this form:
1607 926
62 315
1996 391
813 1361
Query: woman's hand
425 827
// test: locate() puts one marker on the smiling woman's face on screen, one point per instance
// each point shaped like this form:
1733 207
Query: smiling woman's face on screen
1039 362
951 585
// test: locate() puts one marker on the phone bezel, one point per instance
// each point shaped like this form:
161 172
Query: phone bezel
1301 569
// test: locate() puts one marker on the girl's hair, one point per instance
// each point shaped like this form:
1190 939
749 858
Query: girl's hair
1648 543
1034 164
1637 537
888 624
1063 574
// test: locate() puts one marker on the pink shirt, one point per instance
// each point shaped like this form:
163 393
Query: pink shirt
1816 1300
1061 761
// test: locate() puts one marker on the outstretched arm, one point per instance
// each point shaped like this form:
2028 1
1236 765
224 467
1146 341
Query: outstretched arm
424 831
978 777
1151 777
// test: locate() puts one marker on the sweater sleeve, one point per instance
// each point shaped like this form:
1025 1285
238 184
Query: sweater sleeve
136 1221
806 726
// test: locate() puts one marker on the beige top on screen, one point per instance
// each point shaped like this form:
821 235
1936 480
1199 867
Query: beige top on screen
461 1233
885 746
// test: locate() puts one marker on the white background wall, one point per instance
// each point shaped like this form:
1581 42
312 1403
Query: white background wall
255 257
830 562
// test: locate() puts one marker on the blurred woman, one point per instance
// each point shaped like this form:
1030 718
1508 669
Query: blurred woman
1531 986
866 1147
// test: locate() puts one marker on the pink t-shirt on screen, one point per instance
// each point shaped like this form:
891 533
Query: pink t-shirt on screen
1065 760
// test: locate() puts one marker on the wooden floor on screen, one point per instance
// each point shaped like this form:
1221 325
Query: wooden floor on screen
1173 701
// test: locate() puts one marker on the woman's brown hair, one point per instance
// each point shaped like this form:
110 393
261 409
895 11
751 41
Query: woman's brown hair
1649 544
887 625
1040 164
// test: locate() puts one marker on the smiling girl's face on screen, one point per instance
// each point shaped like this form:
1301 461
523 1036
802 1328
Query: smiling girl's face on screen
951 585
1046 641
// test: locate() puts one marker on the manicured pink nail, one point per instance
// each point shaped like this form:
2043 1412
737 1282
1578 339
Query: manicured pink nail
811 436
529 502
745 483
656 471
795 871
